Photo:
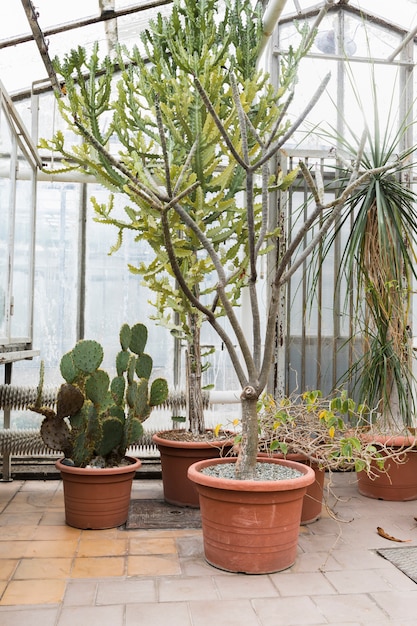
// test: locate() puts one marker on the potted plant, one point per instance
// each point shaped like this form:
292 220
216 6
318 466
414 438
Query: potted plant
379 263
95 422
323 432
246 126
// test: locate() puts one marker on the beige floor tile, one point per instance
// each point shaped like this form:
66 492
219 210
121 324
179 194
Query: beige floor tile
16 533
54 518
156 565
108 533
19 519
149 534
102 547
29 501
7 567
44 533
98 567
54 548
43 568
152 545
13 549
45 486
43 591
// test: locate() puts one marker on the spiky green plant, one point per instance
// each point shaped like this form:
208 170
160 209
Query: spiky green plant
379 260
104 418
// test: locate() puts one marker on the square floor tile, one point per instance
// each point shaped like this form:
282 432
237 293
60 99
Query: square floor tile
103 547
92 616
19 592
152 545
7 567
226 613
54 548
238 586
155 565
98 567
187 589
34 616
126 592
43 568
170 613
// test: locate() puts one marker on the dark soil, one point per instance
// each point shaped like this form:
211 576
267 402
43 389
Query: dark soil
186 435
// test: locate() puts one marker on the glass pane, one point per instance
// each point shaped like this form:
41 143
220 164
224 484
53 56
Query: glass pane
4 253
5 190
56 276
22 259
114 295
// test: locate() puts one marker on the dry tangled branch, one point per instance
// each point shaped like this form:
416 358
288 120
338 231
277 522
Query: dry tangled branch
331 432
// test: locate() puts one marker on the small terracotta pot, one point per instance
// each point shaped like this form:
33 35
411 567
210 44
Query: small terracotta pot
313 500
176 458
97 498
399 484
251 526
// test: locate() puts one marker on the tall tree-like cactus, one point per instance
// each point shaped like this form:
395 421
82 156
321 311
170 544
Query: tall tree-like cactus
199 40
105 417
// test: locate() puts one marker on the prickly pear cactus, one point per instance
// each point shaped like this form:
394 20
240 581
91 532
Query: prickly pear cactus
97 419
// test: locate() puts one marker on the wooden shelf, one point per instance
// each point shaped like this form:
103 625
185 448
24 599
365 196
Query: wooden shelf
18 355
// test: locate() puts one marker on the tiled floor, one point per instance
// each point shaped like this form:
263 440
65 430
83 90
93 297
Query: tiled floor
54 575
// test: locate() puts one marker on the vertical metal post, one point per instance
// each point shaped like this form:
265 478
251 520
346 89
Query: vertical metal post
7 466
82 254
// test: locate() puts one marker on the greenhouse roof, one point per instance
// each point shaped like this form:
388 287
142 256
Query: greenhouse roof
33 33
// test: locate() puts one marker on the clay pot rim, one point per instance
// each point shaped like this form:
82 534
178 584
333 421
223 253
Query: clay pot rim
174 443
102 471
390 441
308 477
292 456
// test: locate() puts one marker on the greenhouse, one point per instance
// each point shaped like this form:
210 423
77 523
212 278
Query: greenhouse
208 230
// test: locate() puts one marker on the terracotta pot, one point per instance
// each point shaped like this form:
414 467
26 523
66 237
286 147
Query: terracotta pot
399 484
176 458
313 499
251 526
97 498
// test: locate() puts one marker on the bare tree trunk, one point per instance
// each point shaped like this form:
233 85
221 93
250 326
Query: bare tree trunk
246 463
193 367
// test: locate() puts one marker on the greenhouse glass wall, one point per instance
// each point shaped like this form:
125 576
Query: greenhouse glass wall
58 282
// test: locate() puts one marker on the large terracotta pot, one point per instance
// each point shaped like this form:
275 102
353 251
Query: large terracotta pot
176 458
251 526
399 483
313 499
97 498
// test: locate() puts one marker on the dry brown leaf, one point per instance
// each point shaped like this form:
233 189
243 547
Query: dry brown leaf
382 533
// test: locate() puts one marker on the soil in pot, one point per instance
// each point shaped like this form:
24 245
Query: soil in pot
97 498
251 527
179 450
